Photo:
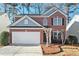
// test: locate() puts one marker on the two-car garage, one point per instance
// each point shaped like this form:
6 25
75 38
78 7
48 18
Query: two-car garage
26 31
26 37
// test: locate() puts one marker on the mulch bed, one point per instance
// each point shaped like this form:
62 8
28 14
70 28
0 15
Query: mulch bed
1 46
50 49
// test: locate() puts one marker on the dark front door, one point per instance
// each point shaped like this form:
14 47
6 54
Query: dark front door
56 37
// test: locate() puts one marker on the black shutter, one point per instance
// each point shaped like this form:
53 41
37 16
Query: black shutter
52 21
62 21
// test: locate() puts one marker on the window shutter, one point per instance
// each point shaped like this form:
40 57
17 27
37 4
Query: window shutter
62 21
52 21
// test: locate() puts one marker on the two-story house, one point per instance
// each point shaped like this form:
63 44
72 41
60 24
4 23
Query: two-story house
30 29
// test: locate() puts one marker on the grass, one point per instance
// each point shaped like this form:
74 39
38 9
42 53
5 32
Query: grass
70 50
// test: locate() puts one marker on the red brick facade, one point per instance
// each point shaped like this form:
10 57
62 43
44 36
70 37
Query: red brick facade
54 28
40 21
59 28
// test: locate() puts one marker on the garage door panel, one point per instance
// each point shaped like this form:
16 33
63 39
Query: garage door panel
26 37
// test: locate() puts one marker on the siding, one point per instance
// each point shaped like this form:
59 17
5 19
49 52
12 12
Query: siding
74 30
30 23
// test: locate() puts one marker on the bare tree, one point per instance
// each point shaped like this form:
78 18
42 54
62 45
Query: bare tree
62 37
68 5
5 7
48 35
28 7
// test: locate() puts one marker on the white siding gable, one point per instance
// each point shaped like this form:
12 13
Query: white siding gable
26 22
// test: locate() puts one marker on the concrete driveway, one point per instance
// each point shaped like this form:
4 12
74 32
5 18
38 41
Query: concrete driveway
21 51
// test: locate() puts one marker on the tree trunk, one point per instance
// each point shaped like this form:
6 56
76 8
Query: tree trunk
39 9
5 7
50 36
46 38
62 37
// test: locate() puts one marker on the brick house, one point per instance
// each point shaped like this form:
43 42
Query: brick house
30 29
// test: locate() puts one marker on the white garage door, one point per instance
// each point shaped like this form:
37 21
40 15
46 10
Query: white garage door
26 37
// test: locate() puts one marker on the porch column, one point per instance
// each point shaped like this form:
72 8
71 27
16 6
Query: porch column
47 36
50 35
62 36
47 39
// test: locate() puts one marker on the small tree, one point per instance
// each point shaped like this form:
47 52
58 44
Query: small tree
47 38
62 36
4 38
48 35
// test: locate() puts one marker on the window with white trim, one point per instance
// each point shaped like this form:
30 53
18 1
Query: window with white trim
57 21
56 34
26 21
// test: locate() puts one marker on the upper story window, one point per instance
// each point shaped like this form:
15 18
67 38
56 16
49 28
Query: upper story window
45 22
57 21
26 21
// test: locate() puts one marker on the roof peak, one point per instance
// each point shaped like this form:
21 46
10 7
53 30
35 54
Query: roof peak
75 19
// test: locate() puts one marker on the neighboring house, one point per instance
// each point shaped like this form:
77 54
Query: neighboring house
4 22
73 27
30 29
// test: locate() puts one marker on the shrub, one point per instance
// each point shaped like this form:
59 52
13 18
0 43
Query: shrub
4 38
72 39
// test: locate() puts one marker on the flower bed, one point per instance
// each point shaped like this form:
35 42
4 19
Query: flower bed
51 49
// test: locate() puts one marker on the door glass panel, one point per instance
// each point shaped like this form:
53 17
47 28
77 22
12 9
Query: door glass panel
54 35
57 35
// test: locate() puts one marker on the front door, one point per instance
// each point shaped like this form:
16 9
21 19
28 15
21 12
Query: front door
56 37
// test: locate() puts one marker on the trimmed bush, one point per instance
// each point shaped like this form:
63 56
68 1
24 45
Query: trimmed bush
72 40
4 38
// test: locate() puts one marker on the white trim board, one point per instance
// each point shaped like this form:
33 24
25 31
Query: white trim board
55 12
23 19
51 14
75 19
26 28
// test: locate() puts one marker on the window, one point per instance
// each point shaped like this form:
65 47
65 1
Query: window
45 21
57 21
56 34
26 21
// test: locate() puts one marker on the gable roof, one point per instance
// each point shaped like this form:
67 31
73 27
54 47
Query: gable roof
48 13
75 19
53 10
23 19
